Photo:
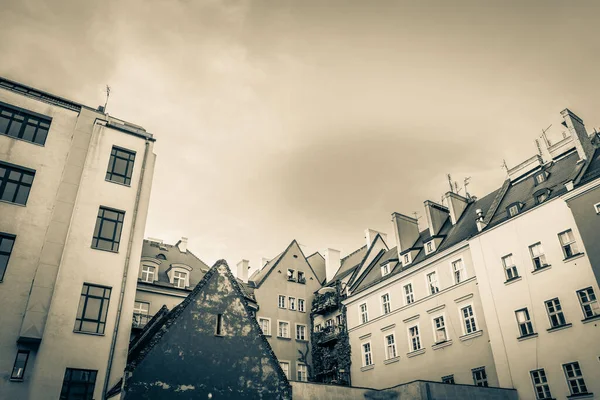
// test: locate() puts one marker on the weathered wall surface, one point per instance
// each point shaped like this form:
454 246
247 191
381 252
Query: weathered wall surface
588 223
318 391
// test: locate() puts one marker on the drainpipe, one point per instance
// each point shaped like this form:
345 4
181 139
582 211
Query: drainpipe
125 272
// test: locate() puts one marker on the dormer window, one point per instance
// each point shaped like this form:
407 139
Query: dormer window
513 209
161 257
290 275
540 177
179 275
180 279
407 259
430 247
541 195
385 269
148 273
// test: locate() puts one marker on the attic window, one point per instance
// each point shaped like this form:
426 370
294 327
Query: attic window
513 209
429 247
161 257
541 195
385 269
407 259
290 275
540 177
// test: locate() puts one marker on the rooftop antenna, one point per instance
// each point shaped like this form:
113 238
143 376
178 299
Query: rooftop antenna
465 183
107 96
504 166
450 183
544 135
416 214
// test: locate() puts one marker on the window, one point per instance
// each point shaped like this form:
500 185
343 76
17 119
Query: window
290 275
301 306
301 278
510 269
458 270
19 366
338 319
432 283
555 314
468 319
589 304
78 384
409 297
479 376
107 233
179 279
540 384
537 256
265 326
574 378
292 303
318 328
385 269
448 379
148 273
302 373
281 301
367 356
120 166
512 210
329 322
364 316
17 123
540 178
92 310
406 259
541 196
300 332
161 257
414 338
15 183
524 322
429 247
385 303
567 241
597 208
6 245
284 329
140 314
390 347
285 366
439 326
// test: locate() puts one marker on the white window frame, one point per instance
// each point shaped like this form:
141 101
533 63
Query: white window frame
580 381
338 319
513 267
301 378
513 210
386 345
484 380
540 375
411 348
364 354
462 271
554 309
260 319
180 276
435 328
305 331
407 259
464 321
385 269
279 297
389 303
430 247
286 373
362 320
303 302
571 244
541 256
597 208
411 294
279 321
148 273
292 303
437 281
591 302
526 324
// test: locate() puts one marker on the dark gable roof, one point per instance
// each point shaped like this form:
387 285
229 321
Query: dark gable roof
592 170
349 264
317 262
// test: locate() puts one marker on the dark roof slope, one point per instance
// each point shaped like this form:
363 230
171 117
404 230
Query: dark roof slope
593 169
317 262
349 263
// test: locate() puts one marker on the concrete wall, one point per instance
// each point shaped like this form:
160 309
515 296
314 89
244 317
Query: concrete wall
550 349
456 357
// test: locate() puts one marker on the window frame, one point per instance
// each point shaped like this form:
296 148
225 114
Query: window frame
572 245
386 345
411 338
102 313
448 379
542 192
180 276
433 272
363 316
27 116
541 256
472 318
597 208
577 378
526 327
89 394
589 303
407 295
279 303
436 329
558 312
285 372
303 302
462 271
364 353
542 384
7 253
19 182
301 373
516 206
130 165
147 273
298 325
484 379
384 304
279 322
268 320
19 377
512 267
385 269
116 238
292 303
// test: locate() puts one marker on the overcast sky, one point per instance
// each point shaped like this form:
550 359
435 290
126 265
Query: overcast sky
312 120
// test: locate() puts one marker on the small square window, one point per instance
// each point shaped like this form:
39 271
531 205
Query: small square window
540 178
6 246
429 247
92 310
120 166
78 384
513 210
107 233
385 269
180 279
15 183
19 366
148 273
406 259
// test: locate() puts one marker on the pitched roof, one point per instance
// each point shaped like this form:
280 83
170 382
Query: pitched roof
349 263
317 262
592 170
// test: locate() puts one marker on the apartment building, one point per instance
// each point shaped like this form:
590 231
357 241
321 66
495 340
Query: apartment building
284 289
74 189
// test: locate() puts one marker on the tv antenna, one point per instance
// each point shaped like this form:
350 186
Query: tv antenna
416 214
107 96
504 166
465 183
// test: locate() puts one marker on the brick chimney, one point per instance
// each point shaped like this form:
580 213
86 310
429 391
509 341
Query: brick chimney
436 216
456 205
406 230
242 270
332 263
371 234
182 244
583 142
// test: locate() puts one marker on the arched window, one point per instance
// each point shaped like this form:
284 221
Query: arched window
161 256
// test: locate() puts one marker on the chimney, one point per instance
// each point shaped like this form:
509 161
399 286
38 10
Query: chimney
582 140
479 220
332 263
242 270
436 216
371 234
182 244
456 205
406 230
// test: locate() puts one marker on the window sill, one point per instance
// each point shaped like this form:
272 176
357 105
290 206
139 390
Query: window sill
392 360
16 380
14 204
366 368
415 353
544 268
108 251
117 183
590 319
441 345
302 340
581 396
267 335
526 337
89 333
573 257
559 327
283 338
513 280
470 336
24 140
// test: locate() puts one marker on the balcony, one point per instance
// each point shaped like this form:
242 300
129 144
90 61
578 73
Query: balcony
140 320
329 334
326 302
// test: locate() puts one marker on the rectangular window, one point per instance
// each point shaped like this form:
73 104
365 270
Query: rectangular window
148 273
458 269
513 210
284 329
20 124
406 259
510 269
290 275
385 269
301 278
448 379
329 322
429 247
281 301
524 322
537 256
141 310
432 283
468 319
364 315
574 378
300 332
385 303
479 376
555 313
78 384
120 166
367 356
409 297
179 279
18 371
540 384
285 366
302 373
390 347
589 303
301 306
439 325
292 303
567 241
15 183
6 245
107 233
265 326
414 338
92 310
338 319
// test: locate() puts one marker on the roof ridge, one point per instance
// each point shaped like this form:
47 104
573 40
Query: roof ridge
354 252
496 202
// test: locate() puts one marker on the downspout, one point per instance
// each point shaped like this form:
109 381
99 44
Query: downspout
125 273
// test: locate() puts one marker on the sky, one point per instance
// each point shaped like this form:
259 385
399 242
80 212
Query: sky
309 119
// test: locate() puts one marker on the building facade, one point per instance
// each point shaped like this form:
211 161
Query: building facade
75 186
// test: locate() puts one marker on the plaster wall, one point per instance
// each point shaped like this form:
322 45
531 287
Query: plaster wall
157 300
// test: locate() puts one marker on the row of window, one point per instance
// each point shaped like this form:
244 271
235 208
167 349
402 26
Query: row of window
283 329
301 370
291 303
479 377
20 124
573 375
296 276
179 278
329 323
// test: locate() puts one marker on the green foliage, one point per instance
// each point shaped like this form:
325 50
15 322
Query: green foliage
328 360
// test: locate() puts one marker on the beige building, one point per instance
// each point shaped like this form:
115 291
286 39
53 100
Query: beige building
74 190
